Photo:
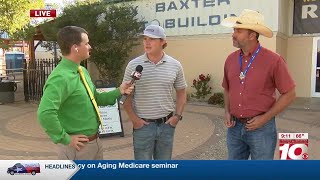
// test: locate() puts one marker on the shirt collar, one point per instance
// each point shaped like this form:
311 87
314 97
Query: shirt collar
251 52
162 60
70 64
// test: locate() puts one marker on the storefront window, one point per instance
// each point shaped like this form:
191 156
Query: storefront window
318 69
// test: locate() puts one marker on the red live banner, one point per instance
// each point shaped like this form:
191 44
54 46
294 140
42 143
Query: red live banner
42 13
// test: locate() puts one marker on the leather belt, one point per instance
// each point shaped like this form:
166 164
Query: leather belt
159 120
93 137
244 120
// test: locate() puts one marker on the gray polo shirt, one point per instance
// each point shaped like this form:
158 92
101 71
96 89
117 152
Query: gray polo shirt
153 94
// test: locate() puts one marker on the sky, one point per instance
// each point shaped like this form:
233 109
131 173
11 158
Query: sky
60 2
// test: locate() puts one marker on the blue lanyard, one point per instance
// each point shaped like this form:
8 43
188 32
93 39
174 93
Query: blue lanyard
251 60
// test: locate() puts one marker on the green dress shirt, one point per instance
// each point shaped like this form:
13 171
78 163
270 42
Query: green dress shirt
65 108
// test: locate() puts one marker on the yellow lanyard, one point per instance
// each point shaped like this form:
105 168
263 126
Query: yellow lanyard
93 100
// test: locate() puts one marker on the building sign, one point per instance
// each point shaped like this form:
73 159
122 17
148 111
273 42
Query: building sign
194 17
306 17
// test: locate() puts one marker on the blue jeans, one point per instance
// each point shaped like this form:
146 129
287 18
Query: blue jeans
153 141
259 144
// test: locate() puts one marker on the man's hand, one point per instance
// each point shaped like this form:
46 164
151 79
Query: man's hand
228 122
126 88
173 121
77 141
255 123
138 123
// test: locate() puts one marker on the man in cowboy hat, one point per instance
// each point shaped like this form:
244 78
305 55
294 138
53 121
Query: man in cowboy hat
251 76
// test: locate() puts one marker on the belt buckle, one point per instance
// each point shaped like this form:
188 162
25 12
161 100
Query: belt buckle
243 121
160 121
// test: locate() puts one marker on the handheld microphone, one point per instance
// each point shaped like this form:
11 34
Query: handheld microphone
136 75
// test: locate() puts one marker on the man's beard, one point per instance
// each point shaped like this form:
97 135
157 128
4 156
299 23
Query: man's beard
236 43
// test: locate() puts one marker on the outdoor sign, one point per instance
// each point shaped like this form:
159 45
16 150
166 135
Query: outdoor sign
306 17
111 117
185 17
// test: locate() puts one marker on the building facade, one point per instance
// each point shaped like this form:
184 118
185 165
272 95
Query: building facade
201 44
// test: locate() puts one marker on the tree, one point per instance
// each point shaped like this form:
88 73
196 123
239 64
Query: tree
112 29
15 14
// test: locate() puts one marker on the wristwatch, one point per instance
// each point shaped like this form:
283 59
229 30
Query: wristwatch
179 116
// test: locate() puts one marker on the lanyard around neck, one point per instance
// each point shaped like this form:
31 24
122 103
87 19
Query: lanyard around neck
251 60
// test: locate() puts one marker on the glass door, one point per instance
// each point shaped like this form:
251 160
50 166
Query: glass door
315 73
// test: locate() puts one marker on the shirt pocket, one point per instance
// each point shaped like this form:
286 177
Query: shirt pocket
80 94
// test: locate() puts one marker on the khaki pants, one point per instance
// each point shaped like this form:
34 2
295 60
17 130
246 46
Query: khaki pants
92 150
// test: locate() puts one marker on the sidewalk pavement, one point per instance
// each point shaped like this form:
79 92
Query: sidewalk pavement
200 135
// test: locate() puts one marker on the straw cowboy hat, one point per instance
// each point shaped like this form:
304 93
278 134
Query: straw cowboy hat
249 19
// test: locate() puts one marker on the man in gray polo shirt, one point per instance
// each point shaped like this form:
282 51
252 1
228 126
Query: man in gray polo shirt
151 107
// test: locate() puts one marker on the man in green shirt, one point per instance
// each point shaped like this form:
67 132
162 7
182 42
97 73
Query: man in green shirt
66 111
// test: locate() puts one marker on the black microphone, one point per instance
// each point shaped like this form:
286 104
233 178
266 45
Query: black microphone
136 75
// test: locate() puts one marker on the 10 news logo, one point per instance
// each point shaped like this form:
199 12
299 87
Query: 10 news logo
293 146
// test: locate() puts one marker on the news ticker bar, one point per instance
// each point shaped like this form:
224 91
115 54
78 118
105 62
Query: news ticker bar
159 170
198 169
